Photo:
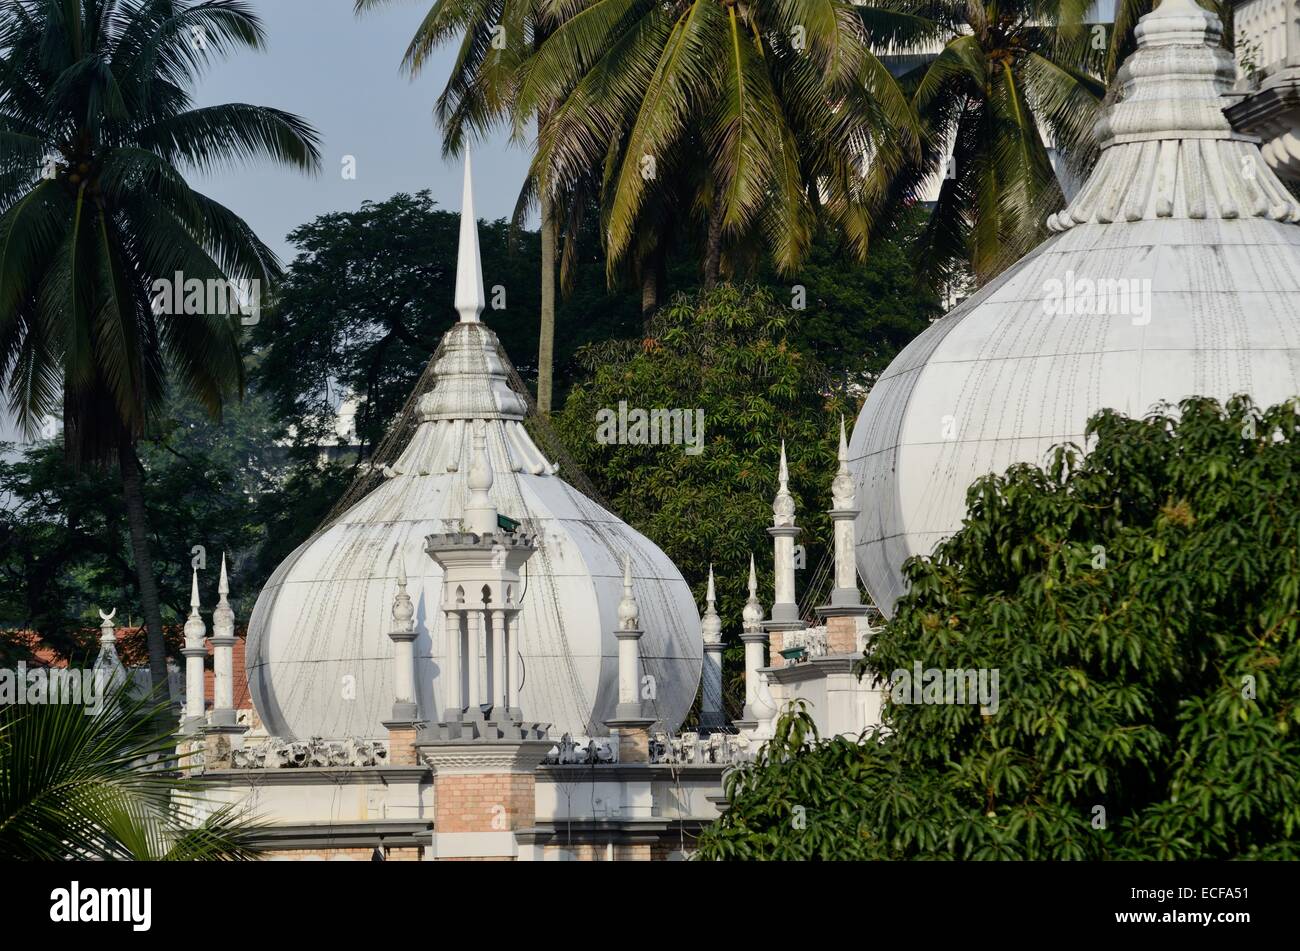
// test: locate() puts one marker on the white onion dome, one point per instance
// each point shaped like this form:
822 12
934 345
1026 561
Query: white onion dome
1174 272
319 656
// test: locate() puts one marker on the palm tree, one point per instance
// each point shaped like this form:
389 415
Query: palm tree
104 786
497 36
1006 76
96 127
746 117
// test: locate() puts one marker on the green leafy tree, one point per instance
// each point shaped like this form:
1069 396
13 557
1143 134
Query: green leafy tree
104 786
729 354
1142 607
64 534
97 125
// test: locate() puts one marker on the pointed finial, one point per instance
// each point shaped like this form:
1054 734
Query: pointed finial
629 614
711 625
403 609
223 616
195 629
783 504
842 487
470 299
753 613
106 632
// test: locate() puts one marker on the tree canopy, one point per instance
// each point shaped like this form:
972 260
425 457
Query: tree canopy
1142 607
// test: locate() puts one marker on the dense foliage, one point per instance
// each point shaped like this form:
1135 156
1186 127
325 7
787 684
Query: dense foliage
1142 604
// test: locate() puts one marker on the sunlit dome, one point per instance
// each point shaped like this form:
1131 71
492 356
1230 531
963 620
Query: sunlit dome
1175 271
320 659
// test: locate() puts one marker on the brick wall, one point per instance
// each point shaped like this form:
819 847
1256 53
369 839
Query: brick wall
484 802
401 747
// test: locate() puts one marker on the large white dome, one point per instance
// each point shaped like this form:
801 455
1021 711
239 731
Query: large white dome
319 656
1198 247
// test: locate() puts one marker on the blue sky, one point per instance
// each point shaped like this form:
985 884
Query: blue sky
342 74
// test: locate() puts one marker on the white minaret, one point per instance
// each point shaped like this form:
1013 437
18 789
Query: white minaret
194 652
755 640
711 716
403 636
629 655
223 655
633 717
842 515
785 610
845 616
470 299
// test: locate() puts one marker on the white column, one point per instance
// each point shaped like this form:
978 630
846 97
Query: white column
629 634
711 680
194 652
629 667
451 623
844 515
499 664
472 659
754 645
711 708
223 654
511 649
783 532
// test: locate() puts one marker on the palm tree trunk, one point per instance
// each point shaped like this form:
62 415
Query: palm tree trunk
649 286
546 342
713 249
137 519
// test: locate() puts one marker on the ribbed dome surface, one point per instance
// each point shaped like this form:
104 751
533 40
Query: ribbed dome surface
319 656
1175 272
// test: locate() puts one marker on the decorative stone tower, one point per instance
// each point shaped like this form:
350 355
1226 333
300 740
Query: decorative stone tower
194 652
845 616
222 731
483 755
755 639
711 715
402 726
631 719
480 580
785 610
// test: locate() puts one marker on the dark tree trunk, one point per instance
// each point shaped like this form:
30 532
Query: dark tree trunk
649 287
138 520
546 335
713 250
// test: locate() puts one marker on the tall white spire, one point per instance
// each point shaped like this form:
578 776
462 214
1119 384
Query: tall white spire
195 652
470 298
711 624
223 660
842 487
629 613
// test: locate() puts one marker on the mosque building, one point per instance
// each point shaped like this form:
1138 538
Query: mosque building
476 661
